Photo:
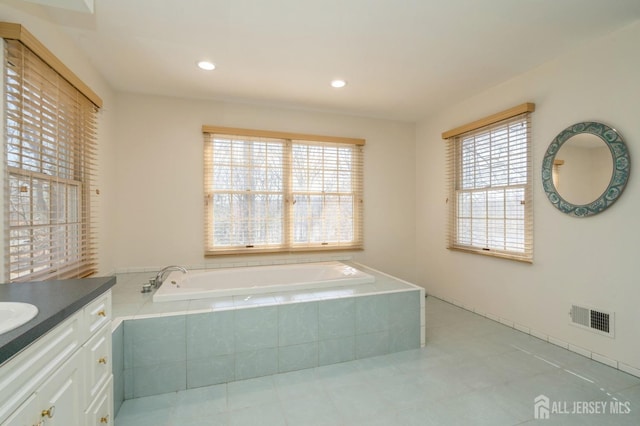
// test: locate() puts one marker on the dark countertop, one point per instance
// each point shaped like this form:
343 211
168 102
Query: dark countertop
56 301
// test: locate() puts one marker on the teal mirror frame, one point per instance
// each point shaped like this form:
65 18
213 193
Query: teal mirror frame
619 177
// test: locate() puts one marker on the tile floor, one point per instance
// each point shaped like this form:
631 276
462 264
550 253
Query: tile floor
473 371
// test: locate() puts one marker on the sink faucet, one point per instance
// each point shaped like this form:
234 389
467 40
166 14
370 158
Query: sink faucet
161 275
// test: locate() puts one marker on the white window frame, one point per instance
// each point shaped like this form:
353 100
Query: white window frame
51 115
298 230
490 186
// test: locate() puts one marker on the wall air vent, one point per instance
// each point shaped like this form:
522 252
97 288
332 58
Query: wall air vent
596 320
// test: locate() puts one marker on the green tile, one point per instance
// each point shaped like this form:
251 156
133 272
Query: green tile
210 334
372 313
315 410
405 338
297 357
337 318
155 341
333 351
258 363
404 309
256 328
159 379
372 344
210 371
297 323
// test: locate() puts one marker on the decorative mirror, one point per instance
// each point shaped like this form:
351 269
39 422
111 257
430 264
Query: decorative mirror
585 169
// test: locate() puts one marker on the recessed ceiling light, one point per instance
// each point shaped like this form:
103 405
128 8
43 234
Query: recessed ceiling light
338 83
206 65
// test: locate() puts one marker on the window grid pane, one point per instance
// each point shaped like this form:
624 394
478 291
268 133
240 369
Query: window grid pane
280 195
490 172
247 191
323 195
49 158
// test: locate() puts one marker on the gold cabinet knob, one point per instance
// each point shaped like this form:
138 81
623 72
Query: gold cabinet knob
102 360
102 313
49 412
104 419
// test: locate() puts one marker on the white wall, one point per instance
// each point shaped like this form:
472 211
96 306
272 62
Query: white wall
592 261
159 208
37 22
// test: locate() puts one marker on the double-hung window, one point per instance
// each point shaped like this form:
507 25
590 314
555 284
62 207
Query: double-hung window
278 192
49 162
490 197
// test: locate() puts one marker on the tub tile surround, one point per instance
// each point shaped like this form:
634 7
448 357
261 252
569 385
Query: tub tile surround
174 346
473 371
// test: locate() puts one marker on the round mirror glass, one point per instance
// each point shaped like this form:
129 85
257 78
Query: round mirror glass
582 168
585 169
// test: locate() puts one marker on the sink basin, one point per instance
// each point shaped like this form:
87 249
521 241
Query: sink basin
14 314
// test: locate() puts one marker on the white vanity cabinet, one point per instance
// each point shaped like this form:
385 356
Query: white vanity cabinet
64 378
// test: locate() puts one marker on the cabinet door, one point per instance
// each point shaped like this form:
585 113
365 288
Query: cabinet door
97 352
60 398
22 375
26 415
100 413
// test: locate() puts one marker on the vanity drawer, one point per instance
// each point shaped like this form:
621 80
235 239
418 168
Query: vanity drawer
100 412
97 314
97 356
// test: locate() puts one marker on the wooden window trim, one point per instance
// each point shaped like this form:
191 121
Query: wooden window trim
287 139
280 135
492 119
459 132
61 139
18 32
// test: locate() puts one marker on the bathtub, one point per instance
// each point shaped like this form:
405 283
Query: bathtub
201 284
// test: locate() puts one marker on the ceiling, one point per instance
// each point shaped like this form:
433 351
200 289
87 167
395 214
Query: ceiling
402 59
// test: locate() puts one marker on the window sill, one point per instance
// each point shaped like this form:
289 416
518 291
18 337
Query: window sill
498 254
259 251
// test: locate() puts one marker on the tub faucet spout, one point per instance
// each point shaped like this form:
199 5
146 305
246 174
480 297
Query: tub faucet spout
162 274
